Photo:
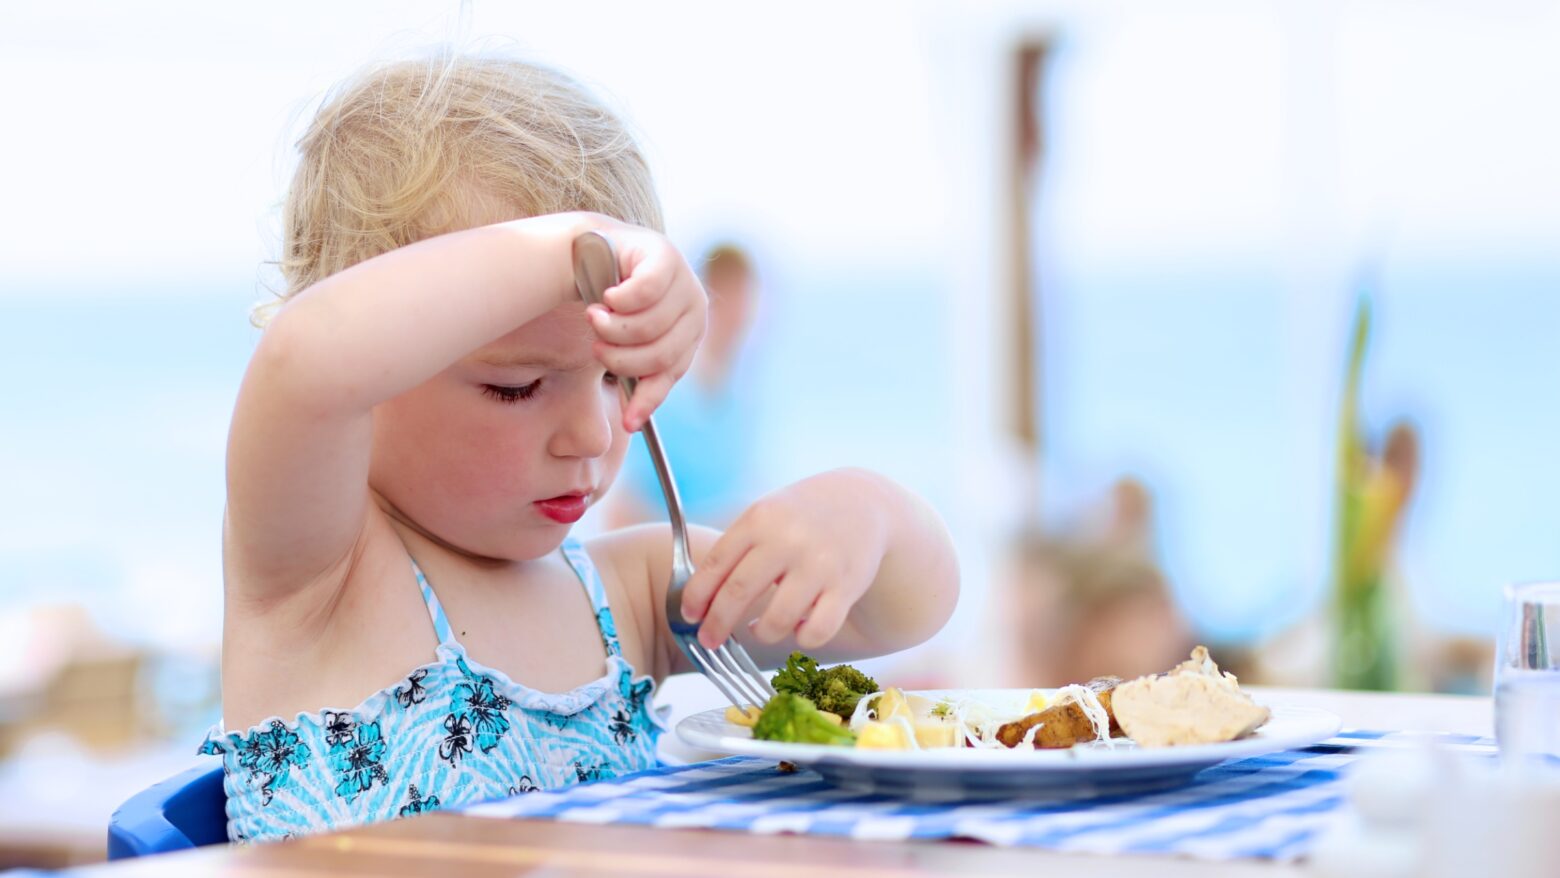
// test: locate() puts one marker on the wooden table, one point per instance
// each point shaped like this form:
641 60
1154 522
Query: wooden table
475 847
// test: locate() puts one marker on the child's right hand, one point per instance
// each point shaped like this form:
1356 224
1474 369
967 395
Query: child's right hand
653 320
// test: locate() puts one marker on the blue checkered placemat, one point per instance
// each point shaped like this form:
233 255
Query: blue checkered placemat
1269 807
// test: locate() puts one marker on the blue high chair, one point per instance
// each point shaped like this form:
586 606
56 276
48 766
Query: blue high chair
185 811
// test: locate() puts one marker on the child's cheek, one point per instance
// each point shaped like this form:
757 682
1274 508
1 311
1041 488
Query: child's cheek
622 444
494 458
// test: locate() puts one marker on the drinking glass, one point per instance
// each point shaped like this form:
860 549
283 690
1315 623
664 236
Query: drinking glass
1527 674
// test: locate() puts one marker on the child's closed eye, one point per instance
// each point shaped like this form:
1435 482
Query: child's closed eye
511 394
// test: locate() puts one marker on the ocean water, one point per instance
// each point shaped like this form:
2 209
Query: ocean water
1218 389
115 418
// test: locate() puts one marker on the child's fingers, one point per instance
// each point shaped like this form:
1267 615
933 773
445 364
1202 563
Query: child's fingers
823 621
634 294
793 597
644 285
636 329
672 352
747 582
713 569
648 396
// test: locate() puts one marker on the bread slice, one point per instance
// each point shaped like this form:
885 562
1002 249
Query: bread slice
1193 704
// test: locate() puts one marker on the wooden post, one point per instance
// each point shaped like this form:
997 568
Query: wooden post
1022 414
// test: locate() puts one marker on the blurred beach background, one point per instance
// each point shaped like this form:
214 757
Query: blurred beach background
1156 286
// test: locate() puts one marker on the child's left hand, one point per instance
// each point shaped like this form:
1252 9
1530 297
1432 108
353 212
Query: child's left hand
812 548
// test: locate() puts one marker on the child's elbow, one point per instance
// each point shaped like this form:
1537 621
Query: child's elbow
290 362
932 601
941 595
942 568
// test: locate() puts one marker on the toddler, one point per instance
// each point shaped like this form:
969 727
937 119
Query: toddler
408 624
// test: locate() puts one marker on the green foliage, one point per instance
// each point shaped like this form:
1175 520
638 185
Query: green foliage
835 689
1369 500
790 717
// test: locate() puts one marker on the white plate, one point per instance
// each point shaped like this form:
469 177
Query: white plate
960 772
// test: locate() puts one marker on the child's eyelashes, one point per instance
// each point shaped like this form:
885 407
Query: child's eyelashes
513 393
510 394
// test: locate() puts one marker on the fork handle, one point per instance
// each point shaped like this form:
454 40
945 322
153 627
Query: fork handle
595 272
681 557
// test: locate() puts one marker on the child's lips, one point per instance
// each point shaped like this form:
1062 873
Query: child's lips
565 508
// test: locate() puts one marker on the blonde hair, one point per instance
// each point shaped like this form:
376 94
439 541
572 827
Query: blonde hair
412 149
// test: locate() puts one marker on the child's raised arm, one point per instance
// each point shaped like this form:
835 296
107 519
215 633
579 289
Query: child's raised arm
300 441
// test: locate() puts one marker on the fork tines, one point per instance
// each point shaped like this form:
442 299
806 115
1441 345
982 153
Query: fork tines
732 671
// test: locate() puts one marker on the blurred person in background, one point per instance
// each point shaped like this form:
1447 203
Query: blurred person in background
708 418
1093 601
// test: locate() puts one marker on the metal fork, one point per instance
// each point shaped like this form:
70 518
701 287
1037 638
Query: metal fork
729 667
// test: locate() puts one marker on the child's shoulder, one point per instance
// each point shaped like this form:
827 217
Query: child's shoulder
635 564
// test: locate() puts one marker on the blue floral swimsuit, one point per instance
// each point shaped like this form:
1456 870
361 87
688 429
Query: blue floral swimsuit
451 733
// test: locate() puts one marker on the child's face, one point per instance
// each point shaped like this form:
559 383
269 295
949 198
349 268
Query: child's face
498 454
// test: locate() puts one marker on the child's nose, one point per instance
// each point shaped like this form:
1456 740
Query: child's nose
586 429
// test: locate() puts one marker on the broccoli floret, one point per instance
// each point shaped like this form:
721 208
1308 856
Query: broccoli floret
835 689
797 676
790 717
840 687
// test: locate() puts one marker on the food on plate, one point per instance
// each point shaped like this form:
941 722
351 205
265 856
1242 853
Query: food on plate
895 720
1195 703
1077 714
882 736
894 704
908 736
836 690
745 717
1036 703
790 717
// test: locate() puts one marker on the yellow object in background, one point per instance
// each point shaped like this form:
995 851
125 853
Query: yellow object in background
1372 492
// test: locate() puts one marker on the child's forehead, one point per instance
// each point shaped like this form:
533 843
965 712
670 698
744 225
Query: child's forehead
559 336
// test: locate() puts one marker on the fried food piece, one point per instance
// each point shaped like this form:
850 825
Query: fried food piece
1065 722
1195 703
